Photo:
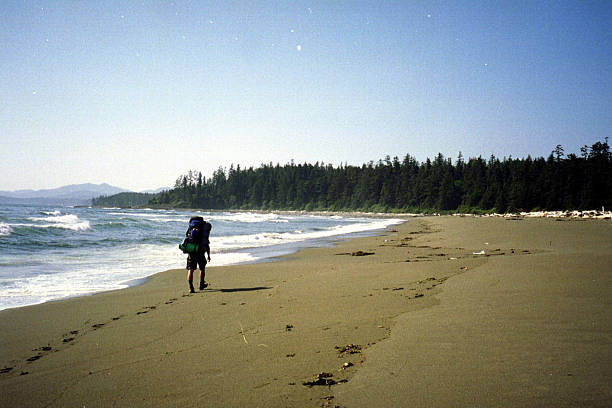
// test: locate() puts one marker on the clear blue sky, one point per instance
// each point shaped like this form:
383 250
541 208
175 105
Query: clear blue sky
135 93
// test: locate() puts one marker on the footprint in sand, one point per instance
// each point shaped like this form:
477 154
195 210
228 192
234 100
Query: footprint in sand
6 370
68 338
148 309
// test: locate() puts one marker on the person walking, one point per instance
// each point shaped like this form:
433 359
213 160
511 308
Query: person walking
198 233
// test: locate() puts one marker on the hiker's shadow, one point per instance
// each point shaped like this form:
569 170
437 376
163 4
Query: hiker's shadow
231 290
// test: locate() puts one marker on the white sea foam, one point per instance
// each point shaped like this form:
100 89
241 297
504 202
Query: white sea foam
5 229
274 238
232 258
250 217
151 216
244 217
113 271
42 288
165 218
69 221
164 257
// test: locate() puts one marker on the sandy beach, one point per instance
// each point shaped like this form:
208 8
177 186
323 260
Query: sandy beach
436 312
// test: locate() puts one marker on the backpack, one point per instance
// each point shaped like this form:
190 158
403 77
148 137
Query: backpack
197 236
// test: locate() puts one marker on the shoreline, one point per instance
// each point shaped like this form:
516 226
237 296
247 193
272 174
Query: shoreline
584 214
165 254
265 254
375 321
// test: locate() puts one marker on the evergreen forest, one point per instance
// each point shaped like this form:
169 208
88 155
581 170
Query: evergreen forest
123 200
476 185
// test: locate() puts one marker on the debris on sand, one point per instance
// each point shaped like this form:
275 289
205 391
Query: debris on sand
361 253
349 348
320 379
356 253
328 401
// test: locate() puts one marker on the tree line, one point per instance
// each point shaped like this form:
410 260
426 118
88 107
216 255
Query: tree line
558 182
123 200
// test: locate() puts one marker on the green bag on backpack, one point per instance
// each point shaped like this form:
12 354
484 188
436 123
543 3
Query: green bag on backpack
189 248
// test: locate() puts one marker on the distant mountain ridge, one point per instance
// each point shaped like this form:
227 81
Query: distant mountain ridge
74 194
155 191
103 188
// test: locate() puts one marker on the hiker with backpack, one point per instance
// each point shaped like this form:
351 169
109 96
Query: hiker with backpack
197 247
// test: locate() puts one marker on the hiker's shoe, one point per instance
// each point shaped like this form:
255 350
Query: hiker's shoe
203 285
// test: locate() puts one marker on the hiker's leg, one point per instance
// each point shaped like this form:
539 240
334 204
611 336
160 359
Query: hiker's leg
202 275
190 280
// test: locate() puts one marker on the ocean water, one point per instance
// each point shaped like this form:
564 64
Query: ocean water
49 253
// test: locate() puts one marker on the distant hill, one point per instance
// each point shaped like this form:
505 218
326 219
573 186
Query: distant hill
157 190
74 194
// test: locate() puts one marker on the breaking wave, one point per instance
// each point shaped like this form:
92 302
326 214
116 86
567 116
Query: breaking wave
5 229
275 238
69 222
56 212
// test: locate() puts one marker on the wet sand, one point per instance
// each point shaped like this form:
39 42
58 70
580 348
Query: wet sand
437 312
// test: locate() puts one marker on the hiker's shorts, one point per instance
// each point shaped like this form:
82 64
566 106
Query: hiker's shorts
193 260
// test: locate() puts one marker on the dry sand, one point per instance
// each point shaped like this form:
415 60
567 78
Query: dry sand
423 321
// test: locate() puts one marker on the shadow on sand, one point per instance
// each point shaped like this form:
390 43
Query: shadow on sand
239 289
